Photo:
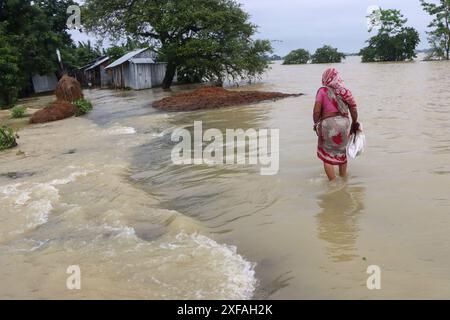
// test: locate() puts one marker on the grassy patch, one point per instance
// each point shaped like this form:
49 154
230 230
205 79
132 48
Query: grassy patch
83 106
7 138
18 112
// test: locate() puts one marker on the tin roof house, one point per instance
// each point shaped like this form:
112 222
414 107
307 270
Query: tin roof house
137 70
94 74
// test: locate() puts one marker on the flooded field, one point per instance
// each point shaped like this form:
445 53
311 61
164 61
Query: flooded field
101 192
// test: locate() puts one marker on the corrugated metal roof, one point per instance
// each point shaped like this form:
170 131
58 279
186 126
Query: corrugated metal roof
142 60
97 63
90 63
125 58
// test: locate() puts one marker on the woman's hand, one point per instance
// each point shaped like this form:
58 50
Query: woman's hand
355 128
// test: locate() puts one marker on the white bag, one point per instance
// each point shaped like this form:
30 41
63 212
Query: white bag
356 144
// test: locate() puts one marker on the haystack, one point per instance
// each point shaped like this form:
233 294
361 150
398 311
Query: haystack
68 89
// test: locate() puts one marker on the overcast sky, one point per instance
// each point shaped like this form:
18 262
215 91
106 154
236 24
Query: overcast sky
310 24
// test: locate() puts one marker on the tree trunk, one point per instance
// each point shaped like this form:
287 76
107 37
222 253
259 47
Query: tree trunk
170 74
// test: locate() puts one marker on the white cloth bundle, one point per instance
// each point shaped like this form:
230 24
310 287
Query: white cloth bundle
356 144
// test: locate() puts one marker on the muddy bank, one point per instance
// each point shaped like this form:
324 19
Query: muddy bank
214 97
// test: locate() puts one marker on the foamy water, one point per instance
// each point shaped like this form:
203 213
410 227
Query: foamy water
77 208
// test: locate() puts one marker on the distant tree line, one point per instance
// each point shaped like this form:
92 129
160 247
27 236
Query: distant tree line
326 54
394 41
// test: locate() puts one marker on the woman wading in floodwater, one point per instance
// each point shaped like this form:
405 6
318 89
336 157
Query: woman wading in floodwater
334 102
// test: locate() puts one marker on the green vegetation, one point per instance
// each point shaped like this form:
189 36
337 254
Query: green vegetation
205 40
83 106
274 57
7 138
77 56
327 54
439 36
30 33
117 51
394 41
299 56
9 88
18 112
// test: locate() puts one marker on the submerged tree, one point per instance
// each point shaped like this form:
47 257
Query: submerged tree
439 36
327 54
207 39
394 41
299 56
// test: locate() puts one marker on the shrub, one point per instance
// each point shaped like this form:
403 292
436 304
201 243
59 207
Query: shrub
299 56
83 106
7 138
327 54
18 112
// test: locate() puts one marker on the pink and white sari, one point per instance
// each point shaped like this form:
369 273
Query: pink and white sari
334 132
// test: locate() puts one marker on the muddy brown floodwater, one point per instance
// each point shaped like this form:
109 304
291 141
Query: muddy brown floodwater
102 193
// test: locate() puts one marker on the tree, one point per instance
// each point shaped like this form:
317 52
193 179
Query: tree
299 56
77 56
394 41
327 54
274 57
9 88
31 32
210 37
117 51
439 37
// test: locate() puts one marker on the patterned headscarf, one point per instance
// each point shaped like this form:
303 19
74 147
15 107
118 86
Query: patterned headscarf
332 79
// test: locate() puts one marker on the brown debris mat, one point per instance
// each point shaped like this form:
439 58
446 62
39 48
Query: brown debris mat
57 110
215 97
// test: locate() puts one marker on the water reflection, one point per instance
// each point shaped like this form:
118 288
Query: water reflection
338 221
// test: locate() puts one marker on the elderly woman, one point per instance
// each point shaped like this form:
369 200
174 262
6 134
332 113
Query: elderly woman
333 104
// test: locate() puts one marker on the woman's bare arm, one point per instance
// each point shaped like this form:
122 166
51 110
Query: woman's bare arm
354 114
355 124
317 112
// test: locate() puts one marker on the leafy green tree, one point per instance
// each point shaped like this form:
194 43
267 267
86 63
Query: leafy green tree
439 36
31 32
117 51
9 87
394 41
210 37
76 56
299 56
327 54
86 52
